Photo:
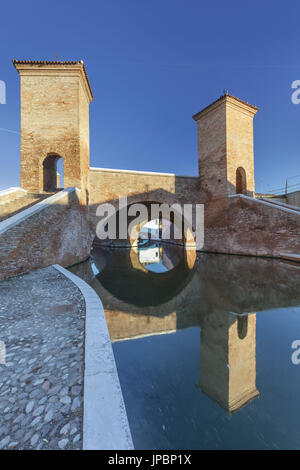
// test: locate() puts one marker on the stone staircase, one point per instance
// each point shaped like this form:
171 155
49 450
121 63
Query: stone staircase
12 207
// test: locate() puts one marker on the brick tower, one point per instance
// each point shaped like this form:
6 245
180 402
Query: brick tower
225 148
55 98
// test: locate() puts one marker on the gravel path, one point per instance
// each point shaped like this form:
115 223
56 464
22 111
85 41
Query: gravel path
41 362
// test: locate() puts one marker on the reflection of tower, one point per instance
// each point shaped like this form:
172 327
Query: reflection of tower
150 230
228 359
150 254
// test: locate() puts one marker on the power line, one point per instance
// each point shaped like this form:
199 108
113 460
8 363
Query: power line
292 177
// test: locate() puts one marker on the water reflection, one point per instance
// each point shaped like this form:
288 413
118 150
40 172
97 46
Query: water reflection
219 298
150 256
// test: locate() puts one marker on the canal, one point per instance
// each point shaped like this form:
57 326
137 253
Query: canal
205 345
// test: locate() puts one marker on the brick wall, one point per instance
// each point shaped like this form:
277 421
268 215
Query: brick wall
293 198
108 186
11 194
56 234
225 143
55 101
254 228
14 205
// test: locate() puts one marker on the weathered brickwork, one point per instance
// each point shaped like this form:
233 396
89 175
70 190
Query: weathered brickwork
11 195
293 198
239 144
15 205
109 186
57 234
254 228
55 99
225 143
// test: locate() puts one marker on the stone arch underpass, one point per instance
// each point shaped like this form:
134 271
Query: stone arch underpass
122 223
108 186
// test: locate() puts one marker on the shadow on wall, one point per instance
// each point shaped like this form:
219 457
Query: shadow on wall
233 225
108 188
52 231
63 231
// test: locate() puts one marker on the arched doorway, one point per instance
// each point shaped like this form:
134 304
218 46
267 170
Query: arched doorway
52 180
241 181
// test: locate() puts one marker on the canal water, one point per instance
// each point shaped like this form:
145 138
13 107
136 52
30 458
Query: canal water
205 346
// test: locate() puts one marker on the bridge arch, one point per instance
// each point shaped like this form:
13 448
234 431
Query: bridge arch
131 217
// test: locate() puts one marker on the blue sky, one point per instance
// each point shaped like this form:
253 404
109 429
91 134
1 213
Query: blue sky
152 65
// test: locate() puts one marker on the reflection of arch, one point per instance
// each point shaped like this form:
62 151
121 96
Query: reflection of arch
50 178
136 285
241 181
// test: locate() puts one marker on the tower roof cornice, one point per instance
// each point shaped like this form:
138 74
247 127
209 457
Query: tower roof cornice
53 65
229 99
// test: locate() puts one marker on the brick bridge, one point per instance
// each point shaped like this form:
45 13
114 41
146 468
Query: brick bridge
40 225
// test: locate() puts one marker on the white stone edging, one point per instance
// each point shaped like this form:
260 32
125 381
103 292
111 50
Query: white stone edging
13 189
114 170
269 204
105 422
276 202
138 172
39 206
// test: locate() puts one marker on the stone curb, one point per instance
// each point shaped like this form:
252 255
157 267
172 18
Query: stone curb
105 423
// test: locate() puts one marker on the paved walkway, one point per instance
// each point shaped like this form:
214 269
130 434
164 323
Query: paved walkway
41 362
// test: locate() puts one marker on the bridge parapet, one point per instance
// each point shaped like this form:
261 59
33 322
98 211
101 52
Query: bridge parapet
52 231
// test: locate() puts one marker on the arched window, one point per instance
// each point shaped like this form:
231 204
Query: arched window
241 181
53 179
